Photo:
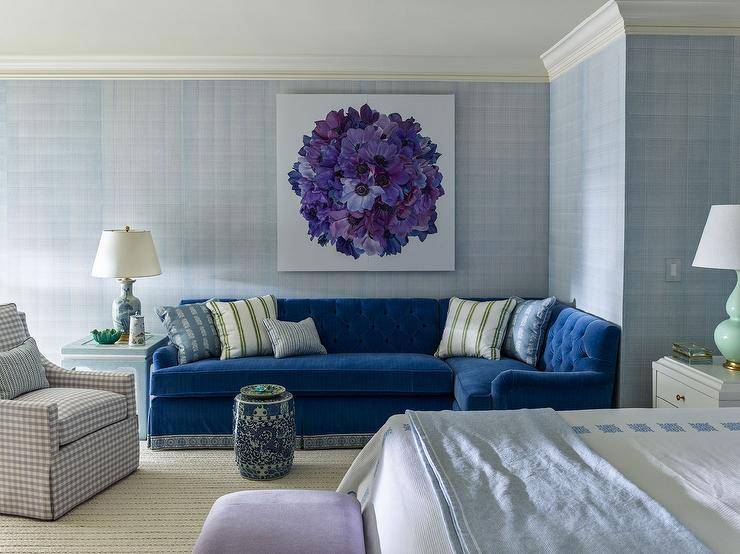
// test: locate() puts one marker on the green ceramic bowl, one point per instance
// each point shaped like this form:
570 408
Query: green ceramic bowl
262 391
106 336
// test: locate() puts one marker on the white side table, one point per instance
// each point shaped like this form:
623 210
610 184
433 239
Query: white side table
118 357
680 385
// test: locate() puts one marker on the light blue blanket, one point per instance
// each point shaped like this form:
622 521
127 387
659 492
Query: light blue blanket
523 481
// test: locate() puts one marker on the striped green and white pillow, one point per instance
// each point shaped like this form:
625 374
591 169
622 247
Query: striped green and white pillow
294 339
240 328
475 329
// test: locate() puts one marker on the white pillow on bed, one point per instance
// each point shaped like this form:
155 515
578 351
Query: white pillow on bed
475 329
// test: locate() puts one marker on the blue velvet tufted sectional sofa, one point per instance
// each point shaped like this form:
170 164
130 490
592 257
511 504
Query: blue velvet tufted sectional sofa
380 363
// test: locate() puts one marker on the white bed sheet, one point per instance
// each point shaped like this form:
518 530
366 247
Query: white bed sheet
687 460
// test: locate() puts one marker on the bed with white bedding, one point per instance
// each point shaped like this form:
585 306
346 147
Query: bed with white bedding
673 476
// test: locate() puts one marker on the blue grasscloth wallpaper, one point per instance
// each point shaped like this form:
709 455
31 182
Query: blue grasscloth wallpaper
587 133
194 161
582 188
682 156
645 137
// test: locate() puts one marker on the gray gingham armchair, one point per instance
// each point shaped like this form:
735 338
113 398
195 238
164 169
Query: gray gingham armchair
62 445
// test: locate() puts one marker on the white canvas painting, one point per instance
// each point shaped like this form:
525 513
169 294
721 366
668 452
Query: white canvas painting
365 182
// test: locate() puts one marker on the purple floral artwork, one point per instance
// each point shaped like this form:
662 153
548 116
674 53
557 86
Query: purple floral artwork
367 182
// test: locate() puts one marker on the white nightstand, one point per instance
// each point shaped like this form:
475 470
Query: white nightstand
680 385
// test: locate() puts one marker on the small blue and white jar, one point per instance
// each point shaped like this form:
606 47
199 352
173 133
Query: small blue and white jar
136 331
264 432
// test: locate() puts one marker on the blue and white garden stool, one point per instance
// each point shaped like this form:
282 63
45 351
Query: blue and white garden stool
264 431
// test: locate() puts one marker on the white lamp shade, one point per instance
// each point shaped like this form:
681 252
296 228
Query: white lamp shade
126 254
719 247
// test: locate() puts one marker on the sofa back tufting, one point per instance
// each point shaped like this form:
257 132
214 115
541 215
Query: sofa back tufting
362 325
577 341
409 325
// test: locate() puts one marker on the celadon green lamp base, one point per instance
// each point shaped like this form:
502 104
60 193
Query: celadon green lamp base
727 333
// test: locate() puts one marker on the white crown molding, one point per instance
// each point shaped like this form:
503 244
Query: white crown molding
614 19
681 17
414 68
591 35
618 18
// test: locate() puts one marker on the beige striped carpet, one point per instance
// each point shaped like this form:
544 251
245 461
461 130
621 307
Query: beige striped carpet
161 507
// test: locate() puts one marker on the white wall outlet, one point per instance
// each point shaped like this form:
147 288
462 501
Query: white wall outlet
672 269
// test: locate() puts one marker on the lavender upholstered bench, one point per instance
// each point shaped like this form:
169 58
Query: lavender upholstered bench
283 522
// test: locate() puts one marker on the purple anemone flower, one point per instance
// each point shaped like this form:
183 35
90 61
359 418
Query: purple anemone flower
367 182
379 153
390 191
359 196
357 138
368 245
332 126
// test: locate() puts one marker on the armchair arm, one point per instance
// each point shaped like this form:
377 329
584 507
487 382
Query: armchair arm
30 444
578 390
165 356
29 432
121 383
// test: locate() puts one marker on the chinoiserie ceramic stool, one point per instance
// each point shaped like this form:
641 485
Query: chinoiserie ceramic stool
264 431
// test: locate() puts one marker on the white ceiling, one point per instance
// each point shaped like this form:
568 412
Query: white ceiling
495 37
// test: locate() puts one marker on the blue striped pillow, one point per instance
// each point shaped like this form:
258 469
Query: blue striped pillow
294 339
191 329
527 327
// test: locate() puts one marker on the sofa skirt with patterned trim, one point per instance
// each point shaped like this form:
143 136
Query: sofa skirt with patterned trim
322 422
315 442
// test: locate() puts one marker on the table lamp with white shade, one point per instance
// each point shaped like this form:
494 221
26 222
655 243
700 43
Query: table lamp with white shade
719 248
126 254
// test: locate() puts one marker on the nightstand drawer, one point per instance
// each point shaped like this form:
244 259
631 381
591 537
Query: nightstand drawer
680 395
660 403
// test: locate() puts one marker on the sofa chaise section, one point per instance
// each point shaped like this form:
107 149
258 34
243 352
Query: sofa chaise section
473 379
575 372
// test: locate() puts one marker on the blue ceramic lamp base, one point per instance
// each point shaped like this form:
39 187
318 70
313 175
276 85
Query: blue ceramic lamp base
124 307
727 333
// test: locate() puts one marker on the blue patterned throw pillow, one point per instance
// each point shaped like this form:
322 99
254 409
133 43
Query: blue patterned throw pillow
526 332
191 329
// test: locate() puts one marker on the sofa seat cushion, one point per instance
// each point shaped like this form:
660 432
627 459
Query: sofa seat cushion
341 374
473 377
80 411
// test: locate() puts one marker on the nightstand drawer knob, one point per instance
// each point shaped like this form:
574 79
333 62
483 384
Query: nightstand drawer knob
680 397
